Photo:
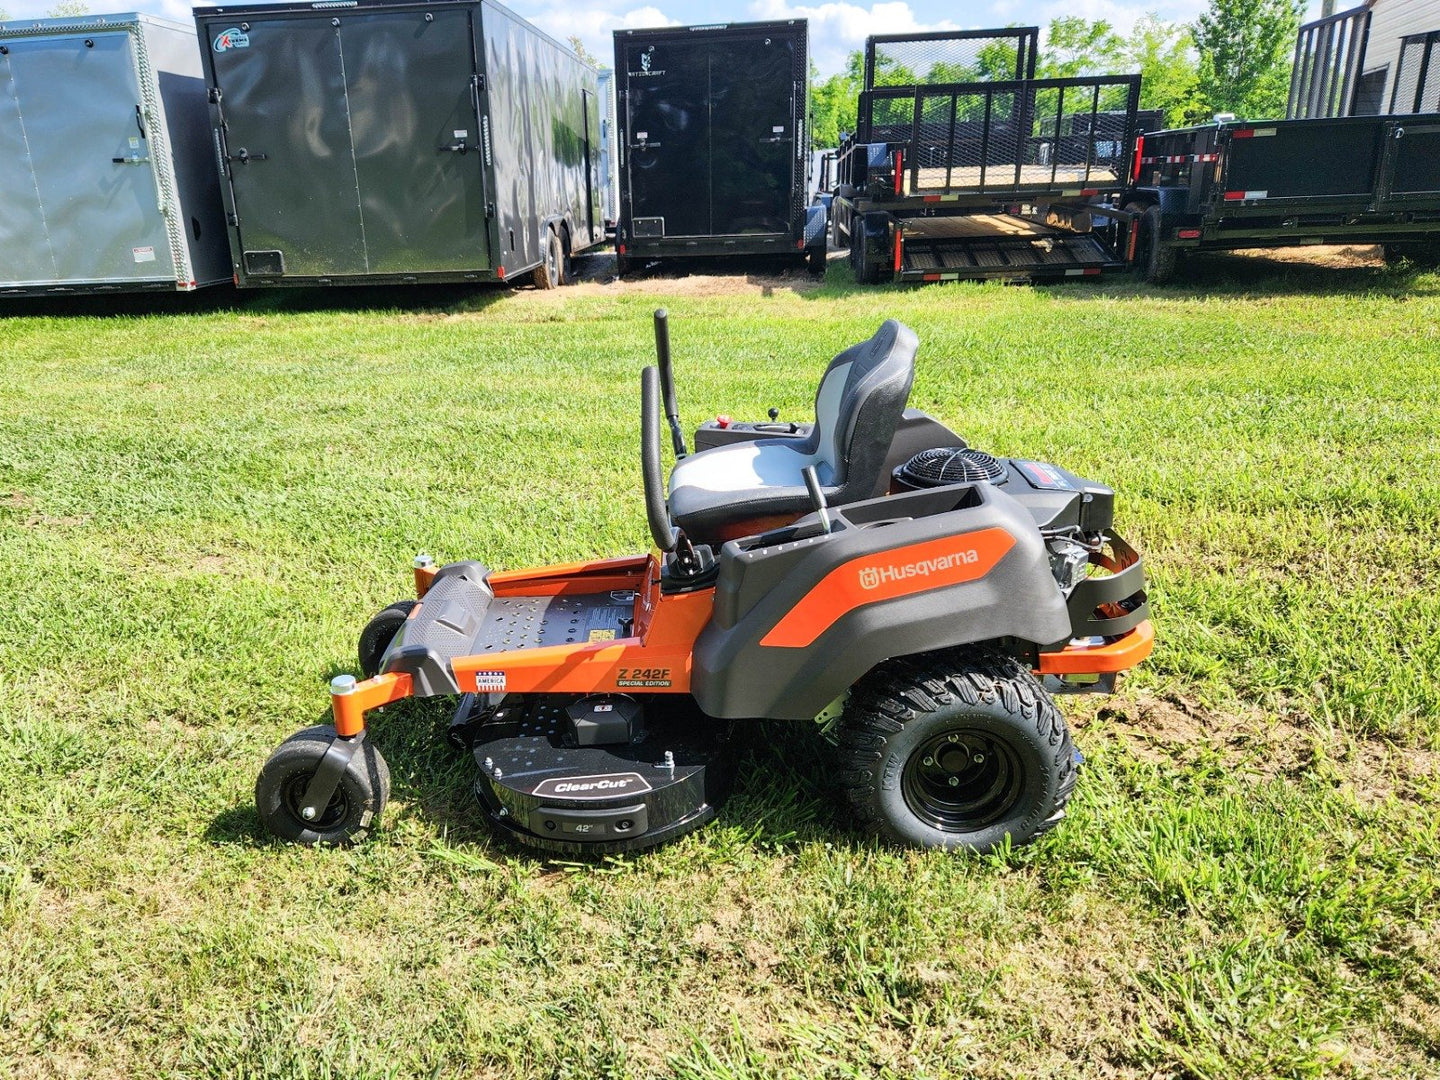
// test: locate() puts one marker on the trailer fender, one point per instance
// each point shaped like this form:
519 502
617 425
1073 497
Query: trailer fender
817 225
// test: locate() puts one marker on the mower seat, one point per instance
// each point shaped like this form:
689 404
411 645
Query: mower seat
747 487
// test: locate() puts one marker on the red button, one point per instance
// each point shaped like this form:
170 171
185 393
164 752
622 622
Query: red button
722 421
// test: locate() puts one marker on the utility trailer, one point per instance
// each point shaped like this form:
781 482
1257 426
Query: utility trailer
714 143
1006 177
1283 183
106 177
375 141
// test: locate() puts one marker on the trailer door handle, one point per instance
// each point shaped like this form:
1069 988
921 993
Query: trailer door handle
245 157
454 148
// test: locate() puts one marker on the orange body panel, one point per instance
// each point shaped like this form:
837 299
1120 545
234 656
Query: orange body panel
1122 654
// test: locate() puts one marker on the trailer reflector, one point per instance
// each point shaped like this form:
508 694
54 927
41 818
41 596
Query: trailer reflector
1188 234
899 243
1139 150
899 174
1245 196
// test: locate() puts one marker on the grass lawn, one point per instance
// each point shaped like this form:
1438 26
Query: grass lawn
200 507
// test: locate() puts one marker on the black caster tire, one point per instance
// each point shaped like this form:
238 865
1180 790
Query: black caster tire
359 798
550 274
378 634
955 751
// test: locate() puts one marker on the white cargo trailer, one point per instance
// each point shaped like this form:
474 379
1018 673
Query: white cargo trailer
107 176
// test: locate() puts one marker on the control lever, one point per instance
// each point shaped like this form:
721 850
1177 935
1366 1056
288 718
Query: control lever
817 497
667 382
774 414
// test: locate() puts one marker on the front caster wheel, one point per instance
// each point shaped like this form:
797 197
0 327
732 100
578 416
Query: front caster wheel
956 751
359 797
378 634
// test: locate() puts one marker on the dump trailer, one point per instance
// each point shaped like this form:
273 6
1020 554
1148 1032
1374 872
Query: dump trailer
106 176
1282 183
963 165
713 143
370 141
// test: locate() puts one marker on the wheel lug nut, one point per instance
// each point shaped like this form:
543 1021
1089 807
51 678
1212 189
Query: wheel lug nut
979 759
929 761
308 813
954 781
954 738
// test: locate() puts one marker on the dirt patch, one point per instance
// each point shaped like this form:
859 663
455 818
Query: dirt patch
1173 728
212 564
595 275
1335 256
41 521
16 500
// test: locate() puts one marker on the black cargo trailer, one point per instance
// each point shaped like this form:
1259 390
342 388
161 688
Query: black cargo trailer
963 165
1283 183
713 142
367 141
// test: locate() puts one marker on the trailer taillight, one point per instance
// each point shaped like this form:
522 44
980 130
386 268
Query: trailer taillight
899 171
899 243
1135 165
1188 234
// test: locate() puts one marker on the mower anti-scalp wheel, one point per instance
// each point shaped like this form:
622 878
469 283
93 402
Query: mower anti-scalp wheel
955 751
359 798
378 634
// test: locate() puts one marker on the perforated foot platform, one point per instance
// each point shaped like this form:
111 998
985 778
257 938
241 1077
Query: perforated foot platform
461 616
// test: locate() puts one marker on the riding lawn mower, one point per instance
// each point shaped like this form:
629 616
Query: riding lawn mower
918 597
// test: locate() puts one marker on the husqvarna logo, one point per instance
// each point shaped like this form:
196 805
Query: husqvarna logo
872 577
234 38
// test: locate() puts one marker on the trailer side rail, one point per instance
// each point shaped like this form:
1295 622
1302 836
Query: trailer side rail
1001 139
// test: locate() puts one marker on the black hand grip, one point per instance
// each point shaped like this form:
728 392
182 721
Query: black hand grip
817 496
656 510
667 382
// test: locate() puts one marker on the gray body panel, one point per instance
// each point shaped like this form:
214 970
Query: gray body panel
105 172
383 142
734 675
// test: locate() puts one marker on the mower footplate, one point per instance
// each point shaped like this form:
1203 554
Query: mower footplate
462 617
550 794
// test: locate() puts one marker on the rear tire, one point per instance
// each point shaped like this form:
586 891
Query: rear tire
550 274
1159 260
378 634
958 751
359 798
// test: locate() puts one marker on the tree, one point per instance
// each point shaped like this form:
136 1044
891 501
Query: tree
69 9
834 102
1164 55
578 48
1075 46
1245 48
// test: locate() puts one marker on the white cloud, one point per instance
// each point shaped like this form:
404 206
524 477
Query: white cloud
593 24
837 29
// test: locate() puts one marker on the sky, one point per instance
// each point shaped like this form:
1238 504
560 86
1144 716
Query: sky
837 27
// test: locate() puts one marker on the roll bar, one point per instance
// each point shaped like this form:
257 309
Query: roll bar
656 510
667 381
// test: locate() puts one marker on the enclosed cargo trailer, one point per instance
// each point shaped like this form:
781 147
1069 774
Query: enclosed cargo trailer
1283 183
369 141
106 176
964 165
713 142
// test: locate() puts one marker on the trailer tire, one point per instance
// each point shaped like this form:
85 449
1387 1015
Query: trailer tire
1424 256
866 272
815 260
959 750
358 801
1160 258
550 274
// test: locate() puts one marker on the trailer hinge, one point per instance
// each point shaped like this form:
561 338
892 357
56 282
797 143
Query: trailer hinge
489 209
478 81
213 95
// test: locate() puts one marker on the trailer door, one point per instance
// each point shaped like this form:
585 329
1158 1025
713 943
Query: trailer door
94 215
409 76
287 140
667 137
752 134
352 143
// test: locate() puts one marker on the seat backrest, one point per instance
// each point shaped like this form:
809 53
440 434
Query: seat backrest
858 406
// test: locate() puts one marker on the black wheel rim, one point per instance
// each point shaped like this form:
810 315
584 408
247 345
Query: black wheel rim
962 780
334 813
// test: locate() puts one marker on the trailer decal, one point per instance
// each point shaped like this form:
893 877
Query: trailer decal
234 38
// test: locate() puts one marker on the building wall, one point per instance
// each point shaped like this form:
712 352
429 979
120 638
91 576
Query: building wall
1391 20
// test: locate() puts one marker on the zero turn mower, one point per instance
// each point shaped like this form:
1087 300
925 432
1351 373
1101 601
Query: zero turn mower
920 597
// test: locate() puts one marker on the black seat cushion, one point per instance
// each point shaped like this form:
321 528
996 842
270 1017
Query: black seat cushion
857 409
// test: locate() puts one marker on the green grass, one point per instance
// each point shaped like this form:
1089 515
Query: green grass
200 507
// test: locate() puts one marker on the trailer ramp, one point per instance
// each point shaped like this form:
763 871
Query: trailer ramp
997 246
